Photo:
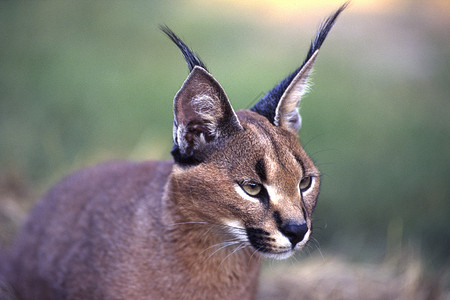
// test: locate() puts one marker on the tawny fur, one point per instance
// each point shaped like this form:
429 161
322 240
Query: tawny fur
149 230
121 241
191 228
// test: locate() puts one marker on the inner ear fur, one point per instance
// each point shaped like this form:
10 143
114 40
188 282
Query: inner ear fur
280 104
286 113
202 114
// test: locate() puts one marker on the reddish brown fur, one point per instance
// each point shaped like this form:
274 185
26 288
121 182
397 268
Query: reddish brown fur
188 229
123 230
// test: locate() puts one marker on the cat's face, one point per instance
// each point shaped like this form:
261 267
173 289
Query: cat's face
258 185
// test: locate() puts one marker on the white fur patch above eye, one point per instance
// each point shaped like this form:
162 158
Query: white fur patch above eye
273 194
244 195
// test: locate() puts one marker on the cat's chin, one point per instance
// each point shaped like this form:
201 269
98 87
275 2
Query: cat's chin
280 255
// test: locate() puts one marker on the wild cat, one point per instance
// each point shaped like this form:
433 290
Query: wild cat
239 187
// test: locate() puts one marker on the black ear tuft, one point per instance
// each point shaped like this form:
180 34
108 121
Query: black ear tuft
267 105
191 58
323 31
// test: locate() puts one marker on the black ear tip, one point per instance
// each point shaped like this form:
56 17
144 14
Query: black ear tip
191 58
324 29
267 105
164 28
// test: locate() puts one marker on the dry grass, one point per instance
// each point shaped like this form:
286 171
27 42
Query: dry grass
334 278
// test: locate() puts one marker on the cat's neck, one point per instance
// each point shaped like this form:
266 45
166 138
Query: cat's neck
208 254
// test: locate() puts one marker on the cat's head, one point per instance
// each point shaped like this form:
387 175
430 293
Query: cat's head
246 171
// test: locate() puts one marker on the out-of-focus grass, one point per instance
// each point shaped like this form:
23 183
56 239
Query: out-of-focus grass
335 278
82 82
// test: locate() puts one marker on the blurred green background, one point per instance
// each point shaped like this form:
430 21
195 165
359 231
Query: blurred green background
87 81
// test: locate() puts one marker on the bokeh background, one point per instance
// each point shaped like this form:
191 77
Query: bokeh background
83 82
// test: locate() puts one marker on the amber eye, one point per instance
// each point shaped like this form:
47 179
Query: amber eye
253 189
305 183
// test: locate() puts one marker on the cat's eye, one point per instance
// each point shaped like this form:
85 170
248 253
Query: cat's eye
305 183
252 189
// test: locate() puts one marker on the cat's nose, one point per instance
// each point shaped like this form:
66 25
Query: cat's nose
294 231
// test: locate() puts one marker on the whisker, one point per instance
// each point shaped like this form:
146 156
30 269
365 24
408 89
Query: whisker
233 228
224 243
183 223
307 250
204 236
294 260
317 244
254 252
312 139
241 246
324 150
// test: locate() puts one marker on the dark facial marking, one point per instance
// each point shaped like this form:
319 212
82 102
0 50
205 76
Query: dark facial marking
277 217
259 239
264 198
260 169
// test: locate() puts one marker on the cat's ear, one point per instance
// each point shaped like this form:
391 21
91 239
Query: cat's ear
286 113
202 114
280 104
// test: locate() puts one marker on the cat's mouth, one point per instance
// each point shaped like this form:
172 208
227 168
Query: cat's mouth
275 247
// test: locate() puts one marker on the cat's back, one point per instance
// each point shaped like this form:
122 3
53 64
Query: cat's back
113 209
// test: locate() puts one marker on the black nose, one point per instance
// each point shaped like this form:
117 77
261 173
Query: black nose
294 231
